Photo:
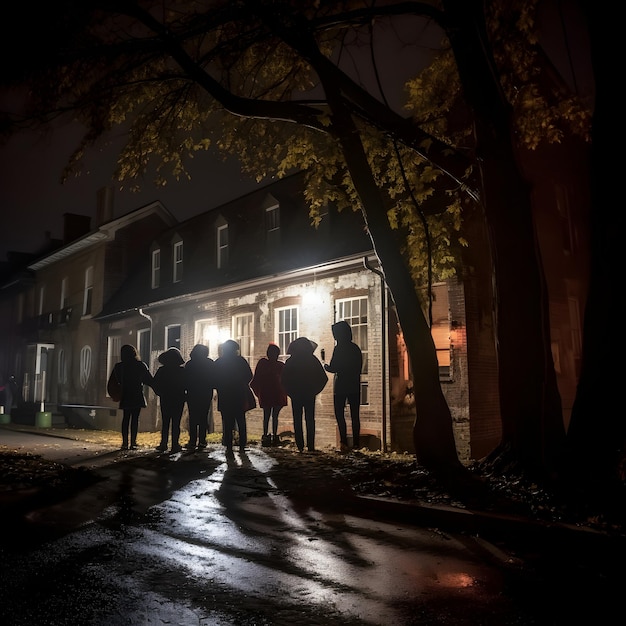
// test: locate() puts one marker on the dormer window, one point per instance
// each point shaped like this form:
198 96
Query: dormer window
272 221
177 261
156 268
222 245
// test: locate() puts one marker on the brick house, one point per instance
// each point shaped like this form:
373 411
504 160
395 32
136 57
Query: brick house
254 270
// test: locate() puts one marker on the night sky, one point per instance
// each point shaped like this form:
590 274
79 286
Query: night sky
33 201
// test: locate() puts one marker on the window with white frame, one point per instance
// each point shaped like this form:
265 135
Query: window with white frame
114 346
172 336
144 345
88 293
156 268
287 326
222 245
204 331
355 312
178 261
64 294
243 328
440 329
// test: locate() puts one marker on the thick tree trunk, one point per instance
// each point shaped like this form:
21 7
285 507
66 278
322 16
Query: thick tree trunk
432 433
596 439
529 400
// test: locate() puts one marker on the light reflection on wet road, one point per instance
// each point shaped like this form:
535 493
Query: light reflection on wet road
231 548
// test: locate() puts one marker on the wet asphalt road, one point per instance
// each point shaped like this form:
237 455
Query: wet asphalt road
213 539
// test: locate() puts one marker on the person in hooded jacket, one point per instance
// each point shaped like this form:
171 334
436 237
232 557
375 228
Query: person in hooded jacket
132 374
270 392
234 396
200 383
346 363
303 378
169 385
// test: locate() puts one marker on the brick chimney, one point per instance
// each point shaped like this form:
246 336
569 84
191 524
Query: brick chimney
104 211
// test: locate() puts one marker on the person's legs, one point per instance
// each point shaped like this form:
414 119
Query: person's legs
202 426
125 425
165 429
243 430
309 417
275 412
354 400
193 426
134 427
339 402
266 419
297 408
228 425
176 418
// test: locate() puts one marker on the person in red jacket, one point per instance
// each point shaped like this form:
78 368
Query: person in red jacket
270 392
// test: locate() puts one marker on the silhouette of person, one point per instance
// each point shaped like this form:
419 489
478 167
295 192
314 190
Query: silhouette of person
303 378
232 381
169 385
269 390
346 363
133 374
200 383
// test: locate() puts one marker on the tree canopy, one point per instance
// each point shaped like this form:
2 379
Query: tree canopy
307 85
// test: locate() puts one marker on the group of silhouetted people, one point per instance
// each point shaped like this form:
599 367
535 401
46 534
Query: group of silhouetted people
301 378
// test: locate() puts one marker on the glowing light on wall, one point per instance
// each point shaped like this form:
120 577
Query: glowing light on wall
315 302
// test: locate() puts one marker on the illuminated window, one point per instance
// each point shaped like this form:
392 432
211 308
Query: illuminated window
287 325
243 328
354 311
156 268
203 331
440 329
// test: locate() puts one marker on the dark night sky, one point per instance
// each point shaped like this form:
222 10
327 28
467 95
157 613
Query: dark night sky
32 201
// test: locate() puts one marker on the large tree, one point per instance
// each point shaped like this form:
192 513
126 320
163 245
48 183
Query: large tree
281 84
